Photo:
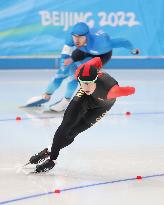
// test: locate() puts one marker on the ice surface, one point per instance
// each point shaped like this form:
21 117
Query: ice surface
118 147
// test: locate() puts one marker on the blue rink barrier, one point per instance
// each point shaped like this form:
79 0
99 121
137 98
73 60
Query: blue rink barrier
53 63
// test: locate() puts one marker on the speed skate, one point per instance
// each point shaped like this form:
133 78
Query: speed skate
36 101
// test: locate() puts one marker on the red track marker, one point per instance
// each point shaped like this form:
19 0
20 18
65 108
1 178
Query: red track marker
57 191
128 113
139 177
18 118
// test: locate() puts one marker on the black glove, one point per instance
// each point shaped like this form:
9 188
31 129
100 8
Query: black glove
135 51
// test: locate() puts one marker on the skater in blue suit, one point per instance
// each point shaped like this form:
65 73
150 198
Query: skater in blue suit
81 45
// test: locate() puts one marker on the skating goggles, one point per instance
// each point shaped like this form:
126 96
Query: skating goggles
87 81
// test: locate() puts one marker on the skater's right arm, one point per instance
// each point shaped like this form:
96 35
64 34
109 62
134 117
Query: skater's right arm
66 55
67 51
124 43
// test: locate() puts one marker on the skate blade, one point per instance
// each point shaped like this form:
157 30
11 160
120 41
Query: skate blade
26 164
33 172
38 173
49 173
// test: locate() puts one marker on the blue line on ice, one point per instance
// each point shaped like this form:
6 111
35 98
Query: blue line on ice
50 117
78 187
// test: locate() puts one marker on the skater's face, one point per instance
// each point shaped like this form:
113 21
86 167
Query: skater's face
88 88
79 40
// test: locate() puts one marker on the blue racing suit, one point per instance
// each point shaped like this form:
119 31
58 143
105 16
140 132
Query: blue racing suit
98 43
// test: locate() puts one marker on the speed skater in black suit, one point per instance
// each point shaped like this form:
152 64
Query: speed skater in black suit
97 94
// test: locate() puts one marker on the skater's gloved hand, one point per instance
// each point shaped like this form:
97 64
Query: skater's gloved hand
68 61
117 91
46 96
96 62
135 51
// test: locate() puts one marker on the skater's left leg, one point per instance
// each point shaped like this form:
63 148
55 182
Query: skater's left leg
71 87
72 84
60 75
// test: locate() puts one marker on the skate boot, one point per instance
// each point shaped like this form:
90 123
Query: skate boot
60 105
40 157
45 166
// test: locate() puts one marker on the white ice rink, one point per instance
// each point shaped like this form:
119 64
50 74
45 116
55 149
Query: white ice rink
100 167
